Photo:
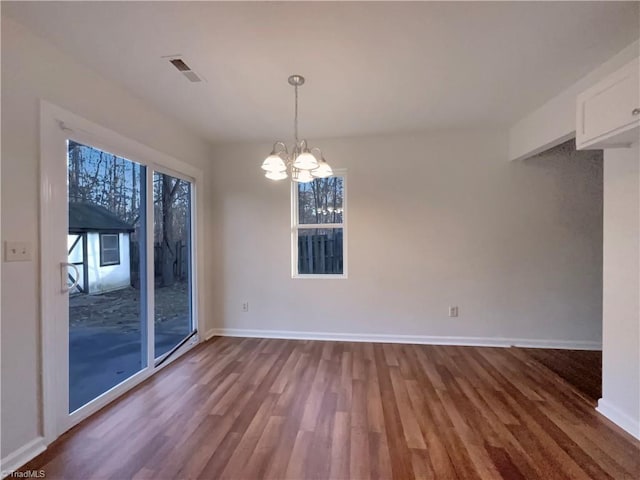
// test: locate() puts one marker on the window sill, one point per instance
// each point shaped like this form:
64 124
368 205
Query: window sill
321 277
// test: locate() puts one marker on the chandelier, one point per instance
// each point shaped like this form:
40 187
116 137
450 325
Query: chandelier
301 163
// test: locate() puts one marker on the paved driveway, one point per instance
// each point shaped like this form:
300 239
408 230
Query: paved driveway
105 343
100 358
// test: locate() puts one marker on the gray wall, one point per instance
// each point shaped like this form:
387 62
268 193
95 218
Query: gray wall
433 220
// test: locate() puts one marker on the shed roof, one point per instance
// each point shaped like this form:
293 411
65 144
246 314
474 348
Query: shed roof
88 217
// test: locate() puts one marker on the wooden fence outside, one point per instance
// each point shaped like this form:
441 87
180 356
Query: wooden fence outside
320 254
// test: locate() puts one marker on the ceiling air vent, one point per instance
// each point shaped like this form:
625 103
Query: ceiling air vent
180 65
183 68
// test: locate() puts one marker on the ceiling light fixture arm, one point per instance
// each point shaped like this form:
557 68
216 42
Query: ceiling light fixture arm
316 149
283 148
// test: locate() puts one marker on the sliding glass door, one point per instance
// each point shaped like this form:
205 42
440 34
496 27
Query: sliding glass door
128 270
173 318
118 276
105 271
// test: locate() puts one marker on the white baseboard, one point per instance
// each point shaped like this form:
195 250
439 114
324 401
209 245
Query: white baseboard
409 339
618 417
22 455
557 344
209 334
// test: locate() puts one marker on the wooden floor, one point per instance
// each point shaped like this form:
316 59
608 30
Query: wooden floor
581 368
282 409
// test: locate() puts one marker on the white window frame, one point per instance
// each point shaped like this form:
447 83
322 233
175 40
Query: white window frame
57 125
102 249
295 226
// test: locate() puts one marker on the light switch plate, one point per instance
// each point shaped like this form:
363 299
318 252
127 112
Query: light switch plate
17 251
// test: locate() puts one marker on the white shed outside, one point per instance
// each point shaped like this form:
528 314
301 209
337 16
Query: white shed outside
98 245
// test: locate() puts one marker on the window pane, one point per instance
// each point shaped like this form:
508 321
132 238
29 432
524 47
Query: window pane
172 261
109 242
320 251
110 257
107 312
320 201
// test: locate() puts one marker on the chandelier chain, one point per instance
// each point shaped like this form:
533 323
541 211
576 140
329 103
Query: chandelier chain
295 121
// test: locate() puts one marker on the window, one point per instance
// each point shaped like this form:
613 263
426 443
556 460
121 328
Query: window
318 230
109 249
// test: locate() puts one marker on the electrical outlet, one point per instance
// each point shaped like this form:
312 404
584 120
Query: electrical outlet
17 251
453 311
245 306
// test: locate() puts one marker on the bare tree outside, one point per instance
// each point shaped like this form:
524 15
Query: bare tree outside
172 206
172 237
320 201
104 179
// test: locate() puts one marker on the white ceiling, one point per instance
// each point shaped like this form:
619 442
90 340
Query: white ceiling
371 67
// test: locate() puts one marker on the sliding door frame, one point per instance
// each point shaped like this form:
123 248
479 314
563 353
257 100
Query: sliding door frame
56 126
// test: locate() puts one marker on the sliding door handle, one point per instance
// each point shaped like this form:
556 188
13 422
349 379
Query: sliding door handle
63 277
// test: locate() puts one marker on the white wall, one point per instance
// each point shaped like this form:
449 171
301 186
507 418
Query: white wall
31 69
555 121
434 220
621 306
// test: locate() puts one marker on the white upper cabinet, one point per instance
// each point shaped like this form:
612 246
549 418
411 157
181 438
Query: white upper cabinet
608 114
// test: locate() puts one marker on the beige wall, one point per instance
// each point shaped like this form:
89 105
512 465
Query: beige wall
621 313
31 70
433 220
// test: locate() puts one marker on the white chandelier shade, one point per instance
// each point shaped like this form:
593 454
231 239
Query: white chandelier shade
301 164
276 175
324 170
274 163
306 161
301 176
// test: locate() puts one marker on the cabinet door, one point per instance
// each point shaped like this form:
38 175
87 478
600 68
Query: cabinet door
607 112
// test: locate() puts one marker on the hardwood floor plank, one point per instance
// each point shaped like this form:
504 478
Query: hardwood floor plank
503 463
291 405
375 416
250 438
296 466
250 409
257 463
340 446
359 433
435 447
195 459
359 458
413 436
398 450
422 465
318 464
379 457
